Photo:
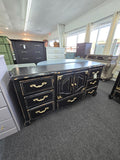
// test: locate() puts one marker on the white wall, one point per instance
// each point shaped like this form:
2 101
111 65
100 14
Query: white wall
107 8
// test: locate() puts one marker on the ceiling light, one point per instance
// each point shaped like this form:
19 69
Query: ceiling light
29 2
6 28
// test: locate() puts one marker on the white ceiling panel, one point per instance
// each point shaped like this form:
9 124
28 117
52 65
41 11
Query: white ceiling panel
44 14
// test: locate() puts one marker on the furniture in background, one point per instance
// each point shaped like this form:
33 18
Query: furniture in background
55 53
83 49
70 55
44 88
6 50
109 61
115 94
28 51
9 122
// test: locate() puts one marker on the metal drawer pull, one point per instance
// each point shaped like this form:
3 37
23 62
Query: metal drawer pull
93 82
42 111
75 84
118 88
72 84
2 128
95 72
90 92
39 100
72 100
39 86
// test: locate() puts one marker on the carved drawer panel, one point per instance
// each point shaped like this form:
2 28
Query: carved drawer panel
36 85
39 99
68 101
91 91
37 112
92 83
95 73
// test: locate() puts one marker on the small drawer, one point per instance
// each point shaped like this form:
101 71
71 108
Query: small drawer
2 101
68 100
4 114
37 112
38 99
92 83
95 73
91 91
6 125
36 84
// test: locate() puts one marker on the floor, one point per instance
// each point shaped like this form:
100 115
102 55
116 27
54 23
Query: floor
87 130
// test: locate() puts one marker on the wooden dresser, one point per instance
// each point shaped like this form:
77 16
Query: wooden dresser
115 94
29 51
9 119
45 88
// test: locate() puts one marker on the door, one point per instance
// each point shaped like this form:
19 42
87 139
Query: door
64 85
80 79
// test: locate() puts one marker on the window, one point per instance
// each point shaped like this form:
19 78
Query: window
98 38
115 48
71 43
51 43
81 38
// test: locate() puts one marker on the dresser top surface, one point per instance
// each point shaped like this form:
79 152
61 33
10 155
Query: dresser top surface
49 69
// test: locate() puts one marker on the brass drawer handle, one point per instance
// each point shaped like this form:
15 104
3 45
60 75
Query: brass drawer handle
2 128
75 84
95 72
90 92
39 100
39 86
93 82
72 100
72 84
118 88
42 111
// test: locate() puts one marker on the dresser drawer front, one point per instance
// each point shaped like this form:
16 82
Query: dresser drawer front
4 114
68 101
39 99
6 125
2 100
36 84
91 91
95 73
35 113
92 83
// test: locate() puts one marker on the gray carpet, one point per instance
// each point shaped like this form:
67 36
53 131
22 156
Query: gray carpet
88 130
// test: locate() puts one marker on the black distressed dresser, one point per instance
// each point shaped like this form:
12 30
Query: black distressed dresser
45 88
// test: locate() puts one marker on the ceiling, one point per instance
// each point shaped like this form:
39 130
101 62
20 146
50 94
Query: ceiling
44 14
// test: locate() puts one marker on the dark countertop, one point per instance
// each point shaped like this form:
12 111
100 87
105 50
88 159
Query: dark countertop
50 69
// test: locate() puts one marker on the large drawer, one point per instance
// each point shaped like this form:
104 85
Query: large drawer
36 84
39 99
68 100
2 100
95 73
37 112
4 114
6 125
92 83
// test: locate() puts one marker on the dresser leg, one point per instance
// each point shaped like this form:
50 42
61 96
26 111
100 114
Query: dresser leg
27 123
94 94
110 96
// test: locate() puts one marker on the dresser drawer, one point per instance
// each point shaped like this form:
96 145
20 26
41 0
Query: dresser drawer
36 84
6 125
2 100
92 83
37 112
68 101
95 73
91 91
39 99
4 114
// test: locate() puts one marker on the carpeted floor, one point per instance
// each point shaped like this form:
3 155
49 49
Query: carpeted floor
88 130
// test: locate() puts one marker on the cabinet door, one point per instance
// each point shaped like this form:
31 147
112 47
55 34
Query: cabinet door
64 85
80 79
